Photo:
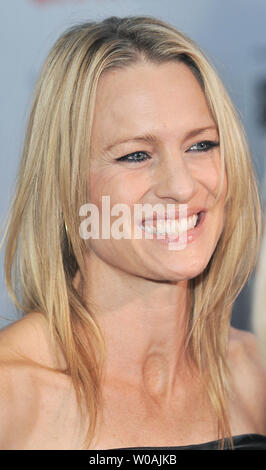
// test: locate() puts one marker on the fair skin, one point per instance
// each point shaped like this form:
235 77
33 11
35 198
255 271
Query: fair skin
152 394
126 269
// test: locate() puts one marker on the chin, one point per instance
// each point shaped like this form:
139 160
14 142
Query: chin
189 270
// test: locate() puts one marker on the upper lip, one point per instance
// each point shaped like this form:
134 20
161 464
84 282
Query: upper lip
175 214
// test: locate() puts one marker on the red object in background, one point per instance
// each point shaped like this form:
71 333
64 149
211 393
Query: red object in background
54 1
46 1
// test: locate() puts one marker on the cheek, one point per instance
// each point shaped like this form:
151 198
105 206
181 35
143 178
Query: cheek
126 188
206 170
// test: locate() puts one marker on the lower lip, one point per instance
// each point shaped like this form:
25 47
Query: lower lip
191 234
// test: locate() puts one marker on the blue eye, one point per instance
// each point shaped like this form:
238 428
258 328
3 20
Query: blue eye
138 157
134 157
203 146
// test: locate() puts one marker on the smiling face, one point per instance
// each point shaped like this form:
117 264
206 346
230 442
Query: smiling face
154 141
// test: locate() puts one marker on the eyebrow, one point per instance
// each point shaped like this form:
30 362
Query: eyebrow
149 138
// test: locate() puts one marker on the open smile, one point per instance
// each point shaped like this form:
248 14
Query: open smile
167 230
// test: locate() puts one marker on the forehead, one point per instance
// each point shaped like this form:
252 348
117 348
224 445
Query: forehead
148 97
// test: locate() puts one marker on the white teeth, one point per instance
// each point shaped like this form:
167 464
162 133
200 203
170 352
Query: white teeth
149 228
170 226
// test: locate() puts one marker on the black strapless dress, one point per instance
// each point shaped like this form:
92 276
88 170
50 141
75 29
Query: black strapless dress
241 442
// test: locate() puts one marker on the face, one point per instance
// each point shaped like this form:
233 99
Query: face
154 141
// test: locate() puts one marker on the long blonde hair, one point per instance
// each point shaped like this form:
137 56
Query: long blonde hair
42 257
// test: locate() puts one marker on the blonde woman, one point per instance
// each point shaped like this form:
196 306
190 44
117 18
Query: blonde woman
126 342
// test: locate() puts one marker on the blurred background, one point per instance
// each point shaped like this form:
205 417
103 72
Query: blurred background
231 32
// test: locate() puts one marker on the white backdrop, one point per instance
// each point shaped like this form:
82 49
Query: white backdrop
231 32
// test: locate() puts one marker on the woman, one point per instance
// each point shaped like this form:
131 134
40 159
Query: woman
126 342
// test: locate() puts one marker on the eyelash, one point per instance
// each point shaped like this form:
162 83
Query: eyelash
133 157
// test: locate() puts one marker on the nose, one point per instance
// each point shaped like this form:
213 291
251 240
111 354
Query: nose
174 179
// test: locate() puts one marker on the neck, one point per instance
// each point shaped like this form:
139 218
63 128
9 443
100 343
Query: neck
144 325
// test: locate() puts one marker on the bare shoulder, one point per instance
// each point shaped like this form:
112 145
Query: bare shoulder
248 374
28 338
244 356
244 350
26 363
239 340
